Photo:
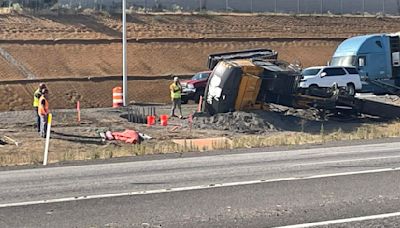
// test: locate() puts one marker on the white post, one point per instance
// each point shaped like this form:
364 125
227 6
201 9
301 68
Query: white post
46 147
124 47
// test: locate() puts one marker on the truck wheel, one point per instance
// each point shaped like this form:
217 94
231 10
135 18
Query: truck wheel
351 90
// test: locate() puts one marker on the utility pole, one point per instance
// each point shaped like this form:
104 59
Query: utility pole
298 6
322 6
398 7
341 7
124 47
383 7
363 7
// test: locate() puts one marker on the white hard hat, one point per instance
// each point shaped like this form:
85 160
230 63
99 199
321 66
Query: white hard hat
176 79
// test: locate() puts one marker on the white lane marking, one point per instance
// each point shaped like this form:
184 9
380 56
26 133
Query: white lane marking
341 221
347 160
199 187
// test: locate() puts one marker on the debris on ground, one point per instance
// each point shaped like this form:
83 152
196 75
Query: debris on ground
2 143
8 140
127 136
241 122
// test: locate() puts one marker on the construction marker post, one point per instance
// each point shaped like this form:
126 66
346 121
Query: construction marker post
190 122
200 104
46 148
78 109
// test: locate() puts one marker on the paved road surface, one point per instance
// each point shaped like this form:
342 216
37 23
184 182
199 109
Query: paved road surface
249 189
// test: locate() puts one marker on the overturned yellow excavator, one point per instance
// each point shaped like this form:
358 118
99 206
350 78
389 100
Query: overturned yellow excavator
248 79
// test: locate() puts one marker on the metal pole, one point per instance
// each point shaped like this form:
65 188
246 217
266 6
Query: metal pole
226 5
124 46
199 5
341 7
251 6
298 6
276 6
363 7
322 5
383 7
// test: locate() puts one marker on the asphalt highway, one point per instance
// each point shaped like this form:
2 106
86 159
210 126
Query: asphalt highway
347 186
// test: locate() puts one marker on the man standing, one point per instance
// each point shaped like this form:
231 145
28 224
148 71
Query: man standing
43 111
36 96
176 90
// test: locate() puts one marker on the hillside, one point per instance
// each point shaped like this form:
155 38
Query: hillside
80 46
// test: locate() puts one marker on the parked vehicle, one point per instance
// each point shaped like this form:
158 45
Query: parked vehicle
377 59
194 88
314 78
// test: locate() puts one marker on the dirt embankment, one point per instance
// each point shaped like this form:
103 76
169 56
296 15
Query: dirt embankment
24 27
57 61
74 60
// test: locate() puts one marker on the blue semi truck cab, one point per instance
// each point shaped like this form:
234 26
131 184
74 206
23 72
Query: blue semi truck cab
377 58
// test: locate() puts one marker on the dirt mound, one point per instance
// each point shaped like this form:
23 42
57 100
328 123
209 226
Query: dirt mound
249 122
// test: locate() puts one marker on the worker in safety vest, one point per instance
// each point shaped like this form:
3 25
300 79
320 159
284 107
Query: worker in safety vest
43 111
36 96
176 91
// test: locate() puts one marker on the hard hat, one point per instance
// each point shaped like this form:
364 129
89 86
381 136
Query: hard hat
42 85
176 79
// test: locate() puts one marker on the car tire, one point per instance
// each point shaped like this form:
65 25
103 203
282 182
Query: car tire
351 89
312 89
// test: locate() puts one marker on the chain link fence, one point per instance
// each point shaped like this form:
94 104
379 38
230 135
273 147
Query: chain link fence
360 7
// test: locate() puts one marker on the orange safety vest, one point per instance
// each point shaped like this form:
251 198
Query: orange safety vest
43 109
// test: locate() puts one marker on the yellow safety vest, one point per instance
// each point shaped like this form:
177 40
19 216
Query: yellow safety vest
36 97
175 91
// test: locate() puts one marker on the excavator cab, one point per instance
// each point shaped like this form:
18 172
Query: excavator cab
241 80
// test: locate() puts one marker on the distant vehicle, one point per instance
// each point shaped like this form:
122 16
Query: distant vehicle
194 88
377 59
314 78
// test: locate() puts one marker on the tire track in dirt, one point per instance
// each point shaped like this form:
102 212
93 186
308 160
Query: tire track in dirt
15 63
